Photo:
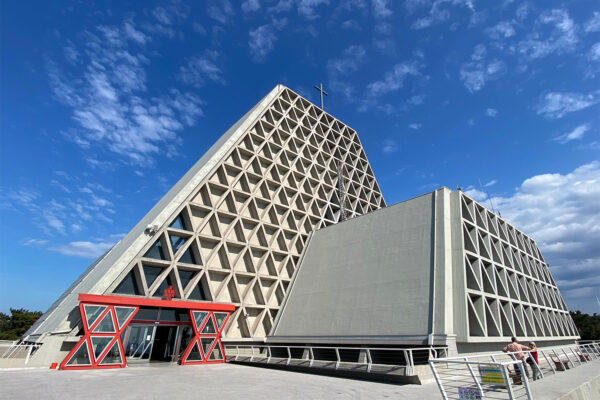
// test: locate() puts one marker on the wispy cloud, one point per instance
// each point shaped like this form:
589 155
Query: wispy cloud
575 134
593 24
491 112
554 32
197 70
389 146
84 249
391 82
250 6
221 11
34 242
339 68
477 72
556 104
415 126
261 42
501 30
109 98
490 183
439 12
306 8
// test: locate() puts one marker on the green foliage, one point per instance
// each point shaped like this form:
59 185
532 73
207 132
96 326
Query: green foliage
13 327
587 325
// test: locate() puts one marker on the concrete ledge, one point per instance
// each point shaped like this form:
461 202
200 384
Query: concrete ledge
580 383
339 373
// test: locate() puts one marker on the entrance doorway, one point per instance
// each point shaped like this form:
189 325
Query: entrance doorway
163 348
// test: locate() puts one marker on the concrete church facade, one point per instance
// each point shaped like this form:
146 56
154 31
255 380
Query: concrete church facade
248 246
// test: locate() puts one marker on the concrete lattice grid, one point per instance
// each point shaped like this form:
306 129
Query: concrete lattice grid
509 288
238 237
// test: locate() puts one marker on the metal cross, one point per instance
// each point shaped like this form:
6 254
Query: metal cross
322 92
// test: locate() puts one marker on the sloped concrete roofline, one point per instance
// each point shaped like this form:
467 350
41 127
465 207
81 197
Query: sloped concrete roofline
100 274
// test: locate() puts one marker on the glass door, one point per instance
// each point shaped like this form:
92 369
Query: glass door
138 341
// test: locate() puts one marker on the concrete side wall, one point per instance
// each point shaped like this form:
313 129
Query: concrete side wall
369 276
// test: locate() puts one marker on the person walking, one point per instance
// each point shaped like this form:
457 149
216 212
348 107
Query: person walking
533 362
516 351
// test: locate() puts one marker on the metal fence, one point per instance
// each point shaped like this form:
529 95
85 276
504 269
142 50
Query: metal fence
366 359
465 377
17 351
473 380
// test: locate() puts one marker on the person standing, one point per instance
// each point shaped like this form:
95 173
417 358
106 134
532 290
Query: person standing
516 351
533 362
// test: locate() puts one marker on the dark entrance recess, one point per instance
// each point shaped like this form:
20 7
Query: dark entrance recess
164 343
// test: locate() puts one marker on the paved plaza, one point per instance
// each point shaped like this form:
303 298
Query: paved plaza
230 381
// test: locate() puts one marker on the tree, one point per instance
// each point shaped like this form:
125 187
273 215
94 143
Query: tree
13 327
587 325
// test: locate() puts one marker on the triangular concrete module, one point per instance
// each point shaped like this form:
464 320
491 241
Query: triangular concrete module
233 228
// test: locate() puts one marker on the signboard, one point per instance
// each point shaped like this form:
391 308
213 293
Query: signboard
491 375
469 394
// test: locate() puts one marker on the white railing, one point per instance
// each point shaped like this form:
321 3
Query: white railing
17 351
460 379
365 359
551 360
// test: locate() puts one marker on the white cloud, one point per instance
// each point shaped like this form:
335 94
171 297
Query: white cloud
556 105
554 32
476 194
381 9
389 146
339 68
34 242
221 11
439 12
490 183
562 213
199 69
595 52
477 72
84 249
502 30
306 8
491 112
261 42
415 126
575 134
392 81
109 103
250 6
593 24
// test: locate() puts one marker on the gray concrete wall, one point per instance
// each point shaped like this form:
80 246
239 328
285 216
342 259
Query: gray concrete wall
369 276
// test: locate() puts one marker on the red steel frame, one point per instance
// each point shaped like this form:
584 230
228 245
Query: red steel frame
110 302
198 335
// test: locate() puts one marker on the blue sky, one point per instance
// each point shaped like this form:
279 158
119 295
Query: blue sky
104 106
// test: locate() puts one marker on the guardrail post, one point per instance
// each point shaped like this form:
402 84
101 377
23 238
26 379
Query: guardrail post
576 355
437 380
559 360
507 381
312 356
370 360
28 354
549 363
269 354
252 356
473 376
237 352
337 353
289 355
568 358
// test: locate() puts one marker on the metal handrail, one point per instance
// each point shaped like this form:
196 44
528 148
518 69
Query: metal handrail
309 354
14 347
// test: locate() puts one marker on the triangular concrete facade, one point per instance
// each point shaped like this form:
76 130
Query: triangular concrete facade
234 227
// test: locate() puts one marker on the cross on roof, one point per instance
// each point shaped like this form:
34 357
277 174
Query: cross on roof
321 92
